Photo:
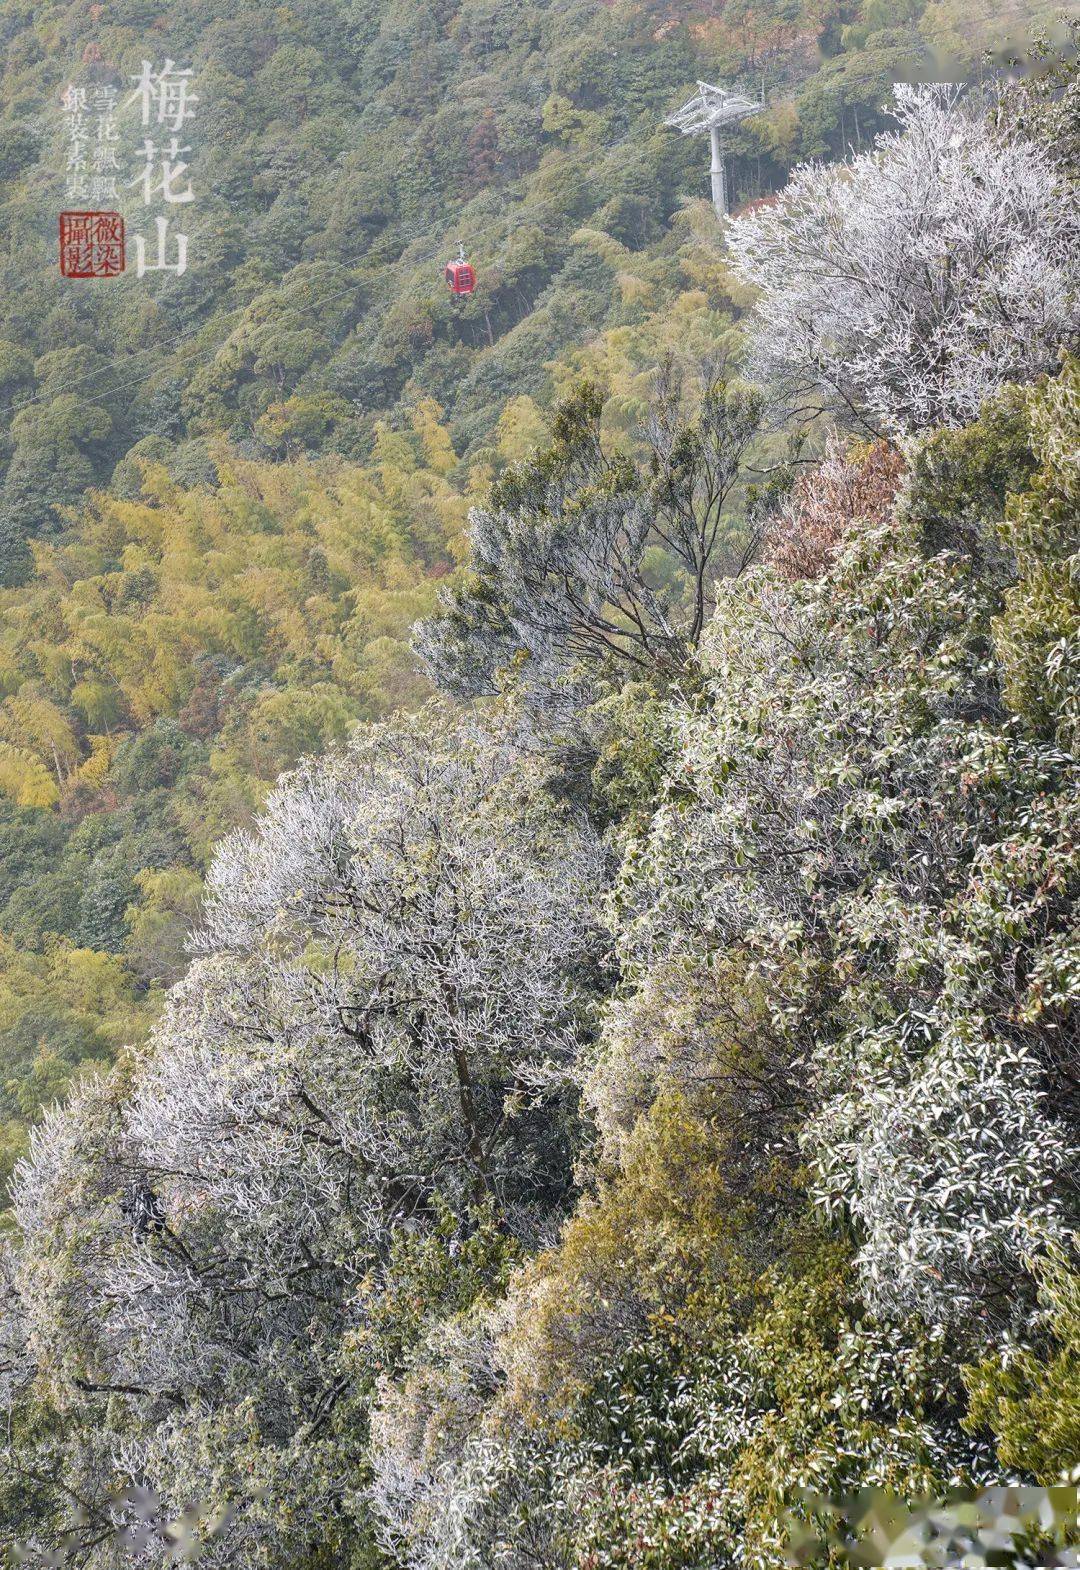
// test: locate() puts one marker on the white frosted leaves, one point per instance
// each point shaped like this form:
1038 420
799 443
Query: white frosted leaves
909 285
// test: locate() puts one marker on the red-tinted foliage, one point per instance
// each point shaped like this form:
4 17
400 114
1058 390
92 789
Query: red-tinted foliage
826 502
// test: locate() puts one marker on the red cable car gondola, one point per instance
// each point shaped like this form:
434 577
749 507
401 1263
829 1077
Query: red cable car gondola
460 277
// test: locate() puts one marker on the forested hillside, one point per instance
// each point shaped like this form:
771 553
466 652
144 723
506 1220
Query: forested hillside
538 832
227 604
343 151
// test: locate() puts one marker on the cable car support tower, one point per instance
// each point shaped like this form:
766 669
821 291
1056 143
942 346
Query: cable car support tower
710 109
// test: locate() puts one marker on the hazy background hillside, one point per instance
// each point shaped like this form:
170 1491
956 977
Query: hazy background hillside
340 153
283 444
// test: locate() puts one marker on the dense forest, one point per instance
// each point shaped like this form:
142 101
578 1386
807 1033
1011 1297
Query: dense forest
538 866
310 357
341 153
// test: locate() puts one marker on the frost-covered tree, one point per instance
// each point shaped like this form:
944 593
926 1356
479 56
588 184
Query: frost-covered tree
377 1039
836 1084
870 819
508 1445
909 285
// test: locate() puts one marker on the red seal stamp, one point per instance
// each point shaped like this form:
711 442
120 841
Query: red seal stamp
91 245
